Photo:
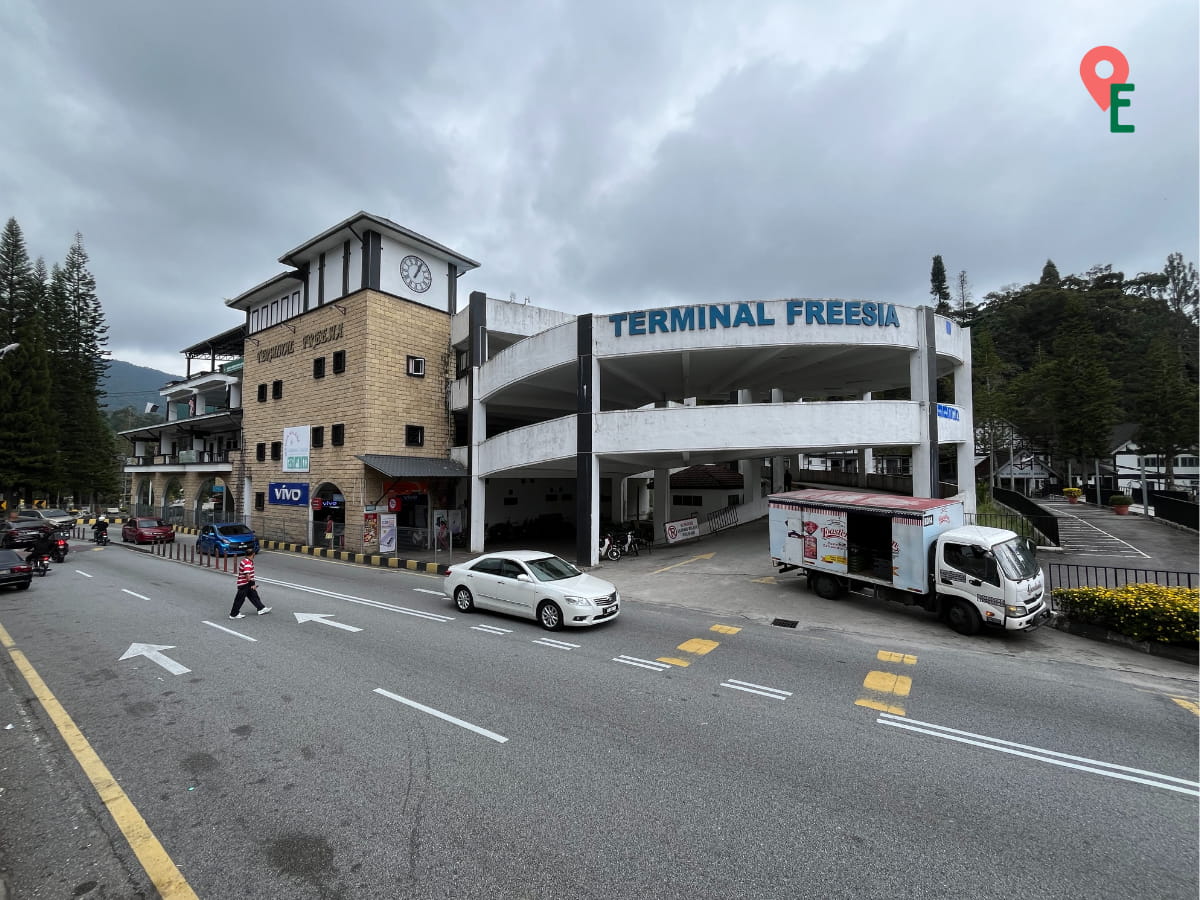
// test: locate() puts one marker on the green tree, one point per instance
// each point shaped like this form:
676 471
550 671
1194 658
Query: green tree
1183 293
15 274
27 448
1050 277
1168 420
85 440
938 288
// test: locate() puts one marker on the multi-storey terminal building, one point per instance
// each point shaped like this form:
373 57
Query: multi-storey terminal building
379 410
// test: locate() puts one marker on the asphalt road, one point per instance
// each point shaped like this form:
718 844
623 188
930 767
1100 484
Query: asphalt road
679 751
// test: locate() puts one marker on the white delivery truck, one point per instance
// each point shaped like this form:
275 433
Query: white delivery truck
911 549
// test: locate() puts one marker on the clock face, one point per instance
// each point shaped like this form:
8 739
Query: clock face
416 274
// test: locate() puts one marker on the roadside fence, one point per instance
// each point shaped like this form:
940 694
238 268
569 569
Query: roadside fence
1071 575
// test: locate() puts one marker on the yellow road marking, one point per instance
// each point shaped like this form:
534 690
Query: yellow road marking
154 858
890 656
698 646
672 661
685 562
726 629
887 683
1187 704
881 706
770 579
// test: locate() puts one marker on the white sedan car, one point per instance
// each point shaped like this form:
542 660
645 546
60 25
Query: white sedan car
534 585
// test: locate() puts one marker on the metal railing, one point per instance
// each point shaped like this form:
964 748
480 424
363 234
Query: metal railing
1072 575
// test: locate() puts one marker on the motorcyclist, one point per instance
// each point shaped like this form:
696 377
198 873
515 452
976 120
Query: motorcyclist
43 544
100 530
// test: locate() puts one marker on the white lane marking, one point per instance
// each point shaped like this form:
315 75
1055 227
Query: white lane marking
324 619
761 689
990 743
642 663
560 645
378 604
428 591
153 652
498 738
244 637
1094 533
491 629
132 594
84 574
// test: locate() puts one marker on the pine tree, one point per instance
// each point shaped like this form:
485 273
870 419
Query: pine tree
84 437
14 281
938 288
1050 276
1167 413
28 451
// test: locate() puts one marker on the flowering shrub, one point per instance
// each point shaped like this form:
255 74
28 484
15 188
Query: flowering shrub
1144 612
1120 500
1072 492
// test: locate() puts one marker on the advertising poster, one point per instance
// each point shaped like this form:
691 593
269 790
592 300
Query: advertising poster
370 529
387 533
825 538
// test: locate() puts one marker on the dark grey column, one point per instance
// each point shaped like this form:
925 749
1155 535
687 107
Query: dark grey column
321 280
583 442
452 288
372 248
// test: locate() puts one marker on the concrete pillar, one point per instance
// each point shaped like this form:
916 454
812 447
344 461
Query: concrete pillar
866 456
662 502
476 484
923 392
777 464
965 450
618 505
750 469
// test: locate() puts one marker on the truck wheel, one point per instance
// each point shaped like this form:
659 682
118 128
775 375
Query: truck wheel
963 618
825 586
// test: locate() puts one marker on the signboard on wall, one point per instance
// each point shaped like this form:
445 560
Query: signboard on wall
370 528
682 530
295 449
287 493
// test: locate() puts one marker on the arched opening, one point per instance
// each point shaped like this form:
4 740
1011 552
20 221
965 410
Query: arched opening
329 516
174 503
214 501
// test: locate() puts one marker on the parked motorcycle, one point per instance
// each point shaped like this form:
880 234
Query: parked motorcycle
608 549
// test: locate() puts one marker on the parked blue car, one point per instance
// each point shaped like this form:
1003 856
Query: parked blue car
226 539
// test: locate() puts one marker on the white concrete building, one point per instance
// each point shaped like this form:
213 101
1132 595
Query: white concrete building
590 401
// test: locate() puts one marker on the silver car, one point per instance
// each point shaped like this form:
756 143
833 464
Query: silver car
59 518
534 585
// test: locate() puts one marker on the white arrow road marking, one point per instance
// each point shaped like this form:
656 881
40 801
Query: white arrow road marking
84 574
642 663
132 594
378 604
990 743
152 653
498 738
558 645
323 618
492 629
761 689
244 637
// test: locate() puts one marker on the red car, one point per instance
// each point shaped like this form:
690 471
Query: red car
147 531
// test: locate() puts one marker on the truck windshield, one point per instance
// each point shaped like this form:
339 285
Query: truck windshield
1016 562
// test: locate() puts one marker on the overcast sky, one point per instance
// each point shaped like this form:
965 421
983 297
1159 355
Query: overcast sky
593 157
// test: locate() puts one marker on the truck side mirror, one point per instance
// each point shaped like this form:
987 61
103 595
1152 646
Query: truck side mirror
1030 545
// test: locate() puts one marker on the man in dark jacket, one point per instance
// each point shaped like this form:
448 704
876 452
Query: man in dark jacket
43 544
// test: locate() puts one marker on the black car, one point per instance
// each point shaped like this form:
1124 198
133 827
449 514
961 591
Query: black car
14 571
20 532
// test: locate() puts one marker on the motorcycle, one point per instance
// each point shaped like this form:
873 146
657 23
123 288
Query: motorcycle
59 550
39 562
608 549
100 537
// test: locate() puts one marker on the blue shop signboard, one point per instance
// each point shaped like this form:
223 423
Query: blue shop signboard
287 493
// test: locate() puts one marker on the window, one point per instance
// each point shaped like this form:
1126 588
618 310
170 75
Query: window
319 367
416 366
262 393
260 500
687 500
260 452
339 361
318 436
339 435
276 390
414 435
276 449
974 563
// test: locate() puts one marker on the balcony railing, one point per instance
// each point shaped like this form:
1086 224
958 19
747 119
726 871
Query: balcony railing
184 457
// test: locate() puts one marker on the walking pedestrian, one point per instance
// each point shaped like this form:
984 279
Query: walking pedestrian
247 587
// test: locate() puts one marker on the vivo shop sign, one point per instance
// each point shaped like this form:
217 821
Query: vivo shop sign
735 315
287 493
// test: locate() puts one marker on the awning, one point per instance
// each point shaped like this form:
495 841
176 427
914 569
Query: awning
413 466
211 423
